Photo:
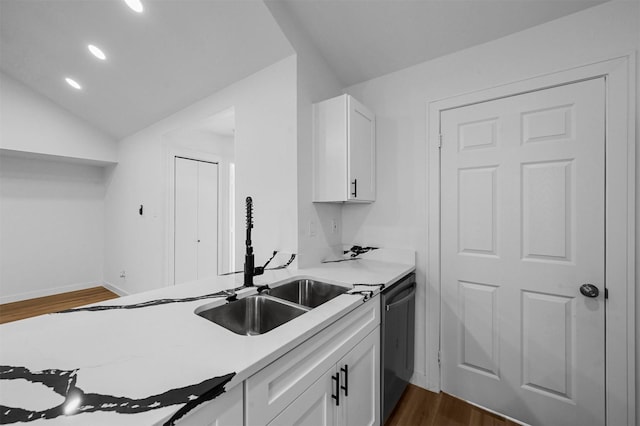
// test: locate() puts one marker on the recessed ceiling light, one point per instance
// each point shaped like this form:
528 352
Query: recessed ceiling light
71 82
135 5
97 52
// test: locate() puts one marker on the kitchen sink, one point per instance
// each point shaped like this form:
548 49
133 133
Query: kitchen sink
252 315
306 292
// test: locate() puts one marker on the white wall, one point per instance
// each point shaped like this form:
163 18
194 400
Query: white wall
265 141
51 222
398 217
51 196
316 82
32 123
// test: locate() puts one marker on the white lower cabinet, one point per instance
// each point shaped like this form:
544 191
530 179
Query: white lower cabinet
347 394
300 387
225 410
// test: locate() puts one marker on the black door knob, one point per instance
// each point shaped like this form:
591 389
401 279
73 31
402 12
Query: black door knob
589 290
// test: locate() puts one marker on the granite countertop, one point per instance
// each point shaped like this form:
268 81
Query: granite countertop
145 358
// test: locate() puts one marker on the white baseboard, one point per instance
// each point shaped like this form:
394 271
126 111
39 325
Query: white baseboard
422 381
419 380
114 288
48 292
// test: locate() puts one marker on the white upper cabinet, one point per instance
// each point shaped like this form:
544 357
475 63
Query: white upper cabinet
344 151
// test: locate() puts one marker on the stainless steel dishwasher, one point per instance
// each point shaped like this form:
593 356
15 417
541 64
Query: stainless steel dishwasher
397 341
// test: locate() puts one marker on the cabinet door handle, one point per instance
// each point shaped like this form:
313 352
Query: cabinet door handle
336 378
345 388
355 188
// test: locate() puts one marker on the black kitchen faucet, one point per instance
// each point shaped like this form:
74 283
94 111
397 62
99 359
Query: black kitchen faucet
249 270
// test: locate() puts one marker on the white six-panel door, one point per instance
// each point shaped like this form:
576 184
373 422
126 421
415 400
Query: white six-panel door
522 228
196 220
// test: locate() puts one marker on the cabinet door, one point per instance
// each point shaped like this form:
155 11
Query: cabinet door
360 383
330 150
361 152
314 407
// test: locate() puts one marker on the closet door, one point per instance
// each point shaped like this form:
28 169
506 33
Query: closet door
186 220
523 250
207 220
196 220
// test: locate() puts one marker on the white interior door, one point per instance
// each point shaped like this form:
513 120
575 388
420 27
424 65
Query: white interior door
522 228
186 220
196 220
207 220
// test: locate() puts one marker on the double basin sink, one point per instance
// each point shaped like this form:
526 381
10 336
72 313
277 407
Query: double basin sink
261 313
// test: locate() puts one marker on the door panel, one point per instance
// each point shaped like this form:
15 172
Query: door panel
548 343
477 211
547 210
479 332
207 220
186 220
522 228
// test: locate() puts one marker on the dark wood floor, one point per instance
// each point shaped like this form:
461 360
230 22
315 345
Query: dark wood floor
46 305
417 407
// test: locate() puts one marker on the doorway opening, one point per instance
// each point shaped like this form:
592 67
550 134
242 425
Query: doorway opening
201 198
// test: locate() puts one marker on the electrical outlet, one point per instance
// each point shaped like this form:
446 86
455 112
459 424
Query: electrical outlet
312 228
123 275
334 226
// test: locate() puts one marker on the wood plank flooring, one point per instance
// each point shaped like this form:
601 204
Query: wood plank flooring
48 304
419 407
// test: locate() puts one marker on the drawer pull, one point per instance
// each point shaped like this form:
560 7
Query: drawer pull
336 378
345 388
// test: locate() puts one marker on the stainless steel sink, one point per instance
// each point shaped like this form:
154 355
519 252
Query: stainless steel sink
307 292
252 315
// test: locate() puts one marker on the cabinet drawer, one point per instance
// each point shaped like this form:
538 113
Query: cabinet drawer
226 409
272 389
314 407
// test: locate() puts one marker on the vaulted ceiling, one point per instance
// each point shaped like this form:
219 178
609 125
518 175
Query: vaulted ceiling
362 40
179 51
162 60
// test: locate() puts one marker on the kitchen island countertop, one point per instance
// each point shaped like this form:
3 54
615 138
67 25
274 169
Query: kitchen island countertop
137 360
